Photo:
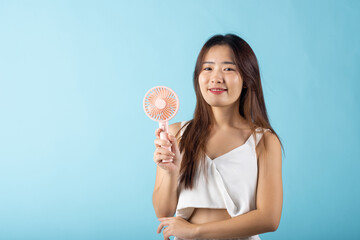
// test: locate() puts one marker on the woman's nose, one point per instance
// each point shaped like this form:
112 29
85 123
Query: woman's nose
217 77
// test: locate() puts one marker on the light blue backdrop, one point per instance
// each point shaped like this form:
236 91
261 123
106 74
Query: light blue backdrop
76 147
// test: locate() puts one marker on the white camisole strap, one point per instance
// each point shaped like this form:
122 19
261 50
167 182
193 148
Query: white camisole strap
259 135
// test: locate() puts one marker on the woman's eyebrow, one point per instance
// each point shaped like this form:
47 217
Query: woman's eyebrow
226 62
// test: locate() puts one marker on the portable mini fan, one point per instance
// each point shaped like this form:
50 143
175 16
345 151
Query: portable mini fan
161 104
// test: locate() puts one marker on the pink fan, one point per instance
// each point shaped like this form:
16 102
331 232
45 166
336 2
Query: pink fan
161 104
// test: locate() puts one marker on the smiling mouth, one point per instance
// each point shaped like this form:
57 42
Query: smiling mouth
217 91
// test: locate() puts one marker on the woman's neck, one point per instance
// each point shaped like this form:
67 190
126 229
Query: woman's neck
228 117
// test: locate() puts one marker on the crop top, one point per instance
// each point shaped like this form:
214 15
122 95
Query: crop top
231 182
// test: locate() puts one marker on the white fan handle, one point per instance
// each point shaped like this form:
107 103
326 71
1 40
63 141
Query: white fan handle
163 136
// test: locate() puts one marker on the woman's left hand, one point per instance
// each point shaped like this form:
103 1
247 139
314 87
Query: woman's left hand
177 226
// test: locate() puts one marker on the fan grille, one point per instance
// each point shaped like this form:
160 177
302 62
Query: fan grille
157 94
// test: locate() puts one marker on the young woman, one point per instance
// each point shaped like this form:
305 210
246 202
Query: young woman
224 180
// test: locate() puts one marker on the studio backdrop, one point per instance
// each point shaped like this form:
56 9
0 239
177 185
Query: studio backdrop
76 148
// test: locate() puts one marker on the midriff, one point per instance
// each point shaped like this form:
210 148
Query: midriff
205 215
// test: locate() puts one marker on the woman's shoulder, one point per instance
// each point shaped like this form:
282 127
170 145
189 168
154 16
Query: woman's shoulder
176 127
269 141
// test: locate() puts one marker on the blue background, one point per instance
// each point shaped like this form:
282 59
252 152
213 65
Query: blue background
76 147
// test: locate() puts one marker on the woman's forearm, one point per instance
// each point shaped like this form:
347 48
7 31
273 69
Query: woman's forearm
248 224
165 196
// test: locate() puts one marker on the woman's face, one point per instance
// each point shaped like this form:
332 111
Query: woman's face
219 71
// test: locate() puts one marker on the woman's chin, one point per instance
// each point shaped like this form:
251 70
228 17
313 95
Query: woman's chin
218 105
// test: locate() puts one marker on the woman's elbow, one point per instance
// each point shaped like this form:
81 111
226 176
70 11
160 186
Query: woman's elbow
274 224
272 221
274 227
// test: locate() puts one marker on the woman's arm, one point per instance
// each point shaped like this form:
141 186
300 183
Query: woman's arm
266 217
165 194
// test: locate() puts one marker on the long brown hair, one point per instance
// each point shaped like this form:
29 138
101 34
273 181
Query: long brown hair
252 105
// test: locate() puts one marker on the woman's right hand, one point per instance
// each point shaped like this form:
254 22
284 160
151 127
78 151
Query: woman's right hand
162 153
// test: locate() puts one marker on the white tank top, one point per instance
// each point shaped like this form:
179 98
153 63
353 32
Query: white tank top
231 183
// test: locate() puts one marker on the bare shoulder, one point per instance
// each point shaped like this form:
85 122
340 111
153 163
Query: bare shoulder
174 128
271 143
270 146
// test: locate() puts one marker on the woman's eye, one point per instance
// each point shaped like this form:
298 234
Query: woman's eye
207 68
229 69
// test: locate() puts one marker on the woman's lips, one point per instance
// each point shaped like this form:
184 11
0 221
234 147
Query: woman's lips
217 92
